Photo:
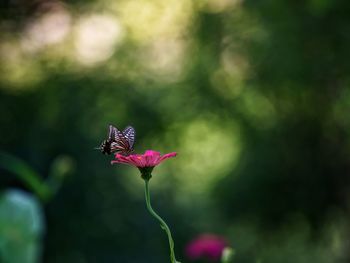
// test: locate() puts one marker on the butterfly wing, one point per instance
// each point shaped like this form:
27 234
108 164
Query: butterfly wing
117 147
105 146
112 132
121 143
130 134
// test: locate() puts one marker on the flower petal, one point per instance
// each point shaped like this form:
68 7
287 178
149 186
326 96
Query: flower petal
151 153
149 159
136 160
166 156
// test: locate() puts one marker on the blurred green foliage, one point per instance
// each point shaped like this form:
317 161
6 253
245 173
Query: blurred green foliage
253 95
21 227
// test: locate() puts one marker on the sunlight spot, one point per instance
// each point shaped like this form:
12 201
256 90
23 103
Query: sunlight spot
150 19
16 69
234 63
97 36
217 6
258 109
164 59
50 28
229 80
207 151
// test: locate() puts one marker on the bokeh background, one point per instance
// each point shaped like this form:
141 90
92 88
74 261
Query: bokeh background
253 95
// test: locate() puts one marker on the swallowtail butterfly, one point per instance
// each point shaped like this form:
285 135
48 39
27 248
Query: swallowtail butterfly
119 141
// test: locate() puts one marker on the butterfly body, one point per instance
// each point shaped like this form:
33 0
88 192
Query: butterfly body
105 147
119 141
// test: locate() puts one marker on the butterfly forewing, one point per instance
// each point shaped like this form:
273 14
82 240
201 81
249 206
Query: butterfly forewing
122 140
112 131
129 133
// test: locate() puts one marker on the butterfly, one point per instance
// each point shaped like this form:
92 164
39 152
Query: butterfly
119 141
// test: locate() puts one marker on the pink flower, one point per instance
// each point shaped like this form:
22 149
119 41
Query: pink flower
144 162
207 246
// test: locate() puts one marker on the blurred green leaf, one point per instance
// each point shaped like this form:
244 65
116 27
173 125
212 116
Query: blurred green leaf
26 174
21 227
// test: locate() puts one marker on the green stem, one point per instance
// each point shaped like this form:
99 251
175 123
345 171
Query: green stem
162 222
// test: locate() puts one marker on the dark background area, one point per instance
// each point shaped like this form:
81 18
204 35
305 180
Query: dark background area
253 95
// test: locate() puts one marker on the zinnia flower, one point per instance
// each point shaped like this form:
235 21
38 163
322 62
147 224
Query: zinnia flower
144 162
207 246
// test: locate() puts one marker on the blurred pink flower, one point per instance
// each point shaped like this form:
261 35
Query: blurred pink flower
207 246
